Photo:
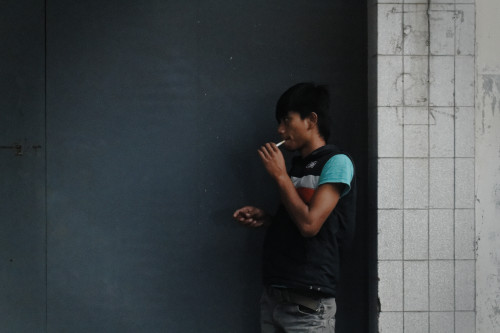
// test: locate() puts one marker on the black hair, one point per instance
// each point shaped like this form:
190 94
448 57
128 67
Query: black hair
305 98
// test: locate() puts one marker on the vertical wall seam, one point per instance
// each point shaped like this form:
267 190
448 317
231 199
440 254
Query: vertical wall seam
46 164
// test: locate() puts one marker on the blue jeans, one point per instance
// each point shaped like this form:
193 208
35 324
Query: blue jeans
284 317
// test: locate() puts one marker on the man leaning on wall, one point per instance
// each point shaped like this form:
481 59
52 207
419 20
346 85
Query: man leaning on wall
318 204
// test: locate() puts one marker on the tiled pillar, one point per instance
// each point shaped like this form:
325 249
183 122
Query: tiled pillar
487 167
423 116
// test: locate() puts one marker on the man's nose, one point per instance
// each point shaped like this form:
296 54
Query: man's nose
281 128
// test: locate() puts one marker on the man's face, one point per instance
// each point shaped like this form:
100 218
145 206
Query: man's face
294 130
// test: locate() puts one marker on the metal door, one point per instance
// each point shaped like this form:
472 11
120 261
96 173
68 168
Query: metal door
139 123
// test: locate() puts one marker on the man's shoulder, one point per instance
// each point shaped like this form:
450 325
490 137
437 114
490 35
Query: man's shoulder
340 159
338 169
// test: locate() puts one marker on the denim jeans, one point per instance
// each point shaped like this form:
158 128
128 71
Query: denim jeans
283 317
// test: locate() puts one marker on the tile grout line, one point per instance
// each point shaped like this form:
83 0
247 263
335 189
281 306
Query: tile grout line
474 171
429 160
454 172
454 169
403 42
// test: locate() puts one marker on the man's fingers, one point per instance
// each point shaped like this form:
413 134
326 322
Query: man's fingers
237 213
263 156
249 216
272 146
263 151
267 150
244 214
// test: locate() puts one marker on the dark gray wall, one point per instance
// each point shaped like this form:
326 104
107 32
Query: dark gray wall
154 111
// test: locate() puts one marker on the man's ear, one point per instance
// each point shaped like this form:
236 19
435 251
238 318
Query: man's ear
313 119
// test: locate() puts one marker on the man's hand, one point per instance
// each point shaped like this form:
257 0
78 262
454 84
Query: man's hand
273 160
251 217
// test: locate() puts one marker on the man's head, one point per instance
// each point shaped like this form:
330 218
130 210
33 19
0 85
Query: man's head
306 98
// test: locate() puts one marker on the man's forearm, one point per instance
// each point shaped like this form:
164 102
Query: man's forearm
295 206
309 218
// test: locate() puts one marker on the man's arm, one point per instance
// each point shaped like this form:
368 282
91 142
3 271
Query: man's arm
308 218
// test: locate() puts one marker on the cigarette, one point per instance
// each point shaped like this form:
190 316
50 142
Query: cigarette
280 143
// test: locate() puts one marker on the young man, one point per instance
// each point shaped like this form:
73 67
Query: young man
302 245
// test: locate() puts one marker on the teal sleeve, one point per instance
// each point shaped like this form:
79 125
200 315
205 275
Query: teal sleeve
338 169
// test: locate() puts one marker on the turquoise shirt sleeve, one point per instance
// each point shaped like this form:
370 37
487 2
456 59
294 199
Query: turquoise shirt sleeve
338 169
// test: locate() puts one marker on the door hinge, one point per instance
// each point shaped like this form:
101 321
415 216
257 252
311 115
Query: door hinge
20 149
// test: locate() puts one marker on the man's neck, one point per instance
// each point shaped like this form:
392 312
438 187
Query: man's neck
315 143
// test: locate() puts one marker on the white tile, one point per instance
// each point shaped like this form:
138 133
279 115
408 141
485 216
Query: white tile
442 76
465 322
441 132
390 322
390 132
441 233
390 80
465 285
464 134
418 115
416 141
464 183
416 322
442 24
390 29
416 234
416 32
390 286
441 183
416 183
390 183
416 80
441 288
464 234
416 284
465 29
464 80
442 322
390 234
